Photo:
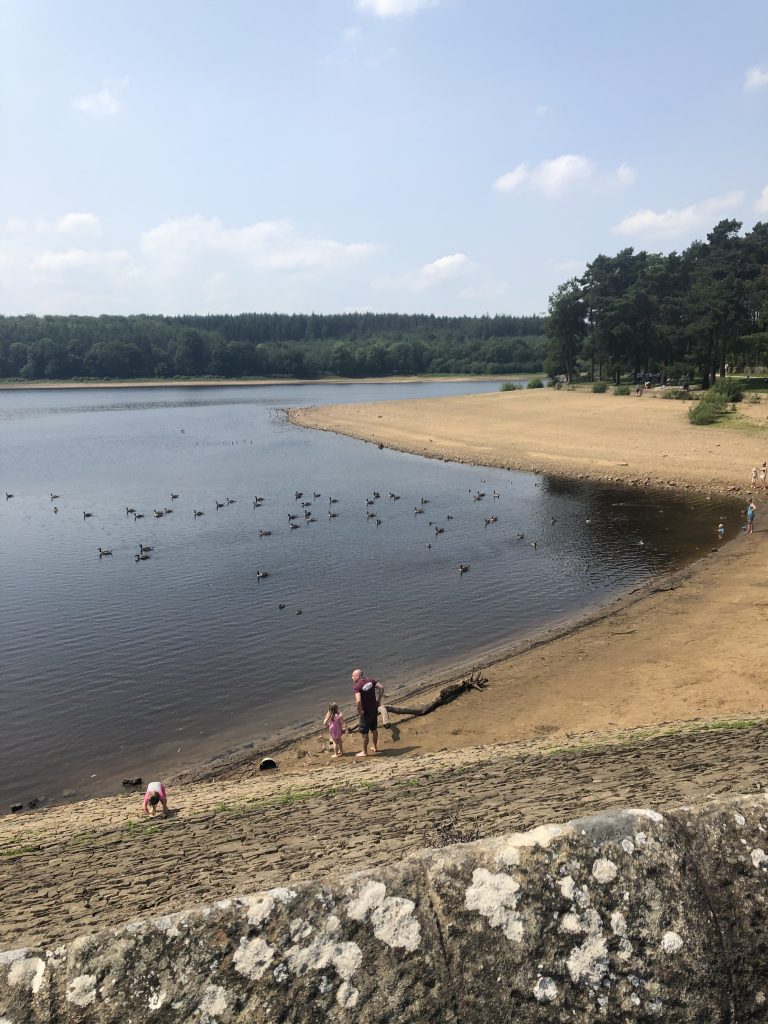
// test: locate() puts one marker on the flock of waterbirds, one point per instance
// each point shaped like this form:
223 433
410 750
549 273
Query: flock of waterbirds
307 513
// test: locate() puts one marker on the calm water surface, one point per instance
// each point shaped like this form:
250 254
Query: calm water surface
113 668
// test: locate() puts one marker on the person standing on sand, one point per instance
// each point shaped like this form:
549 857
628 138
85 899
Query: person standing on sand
155 795
762 476
751 509
754 477
336 729
368 693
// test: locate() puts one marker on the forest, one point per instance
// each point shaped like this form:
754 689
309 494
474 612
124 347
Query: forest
682 316
267 345
687 316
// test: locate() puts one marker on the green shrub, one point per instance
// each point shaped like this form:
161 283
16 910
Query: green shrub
535 382
680 395
709 409
622 389
730 388
509 385
599 387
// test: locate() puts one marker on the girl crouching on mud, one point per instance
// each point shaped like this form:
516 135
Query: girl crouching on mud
336 728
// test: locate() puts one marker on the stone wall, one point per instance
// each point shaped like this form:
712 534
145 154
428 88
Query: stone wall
630 916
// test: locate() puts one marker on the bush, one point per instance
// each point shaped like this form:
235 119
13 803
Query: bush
599 387
709 409
681 396
622 389
731 389
535 382
509 385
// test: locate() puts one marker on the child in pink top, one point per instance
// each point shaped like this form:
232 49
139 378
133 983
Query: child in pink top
336 728
155 795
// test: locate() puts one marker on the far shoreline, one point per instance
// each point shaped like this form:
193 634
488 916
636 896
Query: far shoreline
232 382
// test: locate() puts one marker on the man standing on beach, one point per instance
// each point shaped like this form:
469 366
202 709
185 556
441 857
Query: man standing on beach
368 693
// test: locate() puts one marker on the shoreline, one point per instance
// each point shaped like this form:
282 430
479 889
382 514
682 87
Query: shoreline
598 464
233 382
295 737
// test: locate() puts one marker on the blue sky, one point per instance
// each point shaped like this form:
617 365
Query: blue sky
443 156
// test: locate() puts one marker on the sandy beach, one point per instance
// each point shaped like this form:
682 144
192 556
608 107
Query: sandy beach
657 699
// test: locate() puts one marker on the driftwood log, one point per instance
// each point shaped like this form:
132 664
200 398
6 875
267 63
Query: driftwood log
447 695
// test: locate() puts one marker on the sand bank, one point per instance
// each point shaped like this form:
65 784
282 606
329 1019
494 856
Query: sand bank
567 433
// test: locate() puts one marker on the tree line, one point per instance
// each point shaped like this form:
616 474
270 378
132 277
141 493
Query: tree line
689 315
267 345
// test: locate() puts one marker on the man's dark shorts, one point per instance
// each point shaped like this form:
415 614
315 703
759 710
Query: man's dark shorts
369 721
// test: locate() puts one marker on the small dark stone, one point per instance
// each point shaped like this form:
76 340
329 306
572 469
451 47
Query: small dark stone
133 782
16 807
33 803
267 764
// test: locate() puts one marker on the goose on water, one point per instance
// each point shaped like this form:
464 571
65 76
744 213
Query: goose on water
55 496
145 547
195 513
7 495
219 504
130 511
156 514
87 515
261 574
265 533
173 497
141 558
137 515
463 568
104 551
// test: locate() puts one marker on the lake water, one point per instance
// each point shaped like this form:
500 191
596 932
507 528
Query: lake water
113 667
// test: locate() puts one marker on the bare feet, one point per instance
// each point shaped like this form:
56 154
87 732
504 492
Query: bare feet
361 754
374 751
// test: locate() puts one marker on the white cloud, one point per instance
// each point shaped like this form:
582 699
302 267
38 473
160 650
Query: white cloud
625 175
86 224
267 245
512 179
190 264
394 8
670 223
103 104
754 79
430 275
351 35
64 261
762 203
552 178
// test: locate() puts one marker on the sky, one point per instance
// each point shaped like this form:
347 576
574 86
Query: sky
455 157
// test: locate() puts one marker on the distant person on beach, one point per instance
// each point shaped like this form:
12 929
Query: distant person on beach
721 529
751 509
336 728
368 693
155 795
754 477
762 476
